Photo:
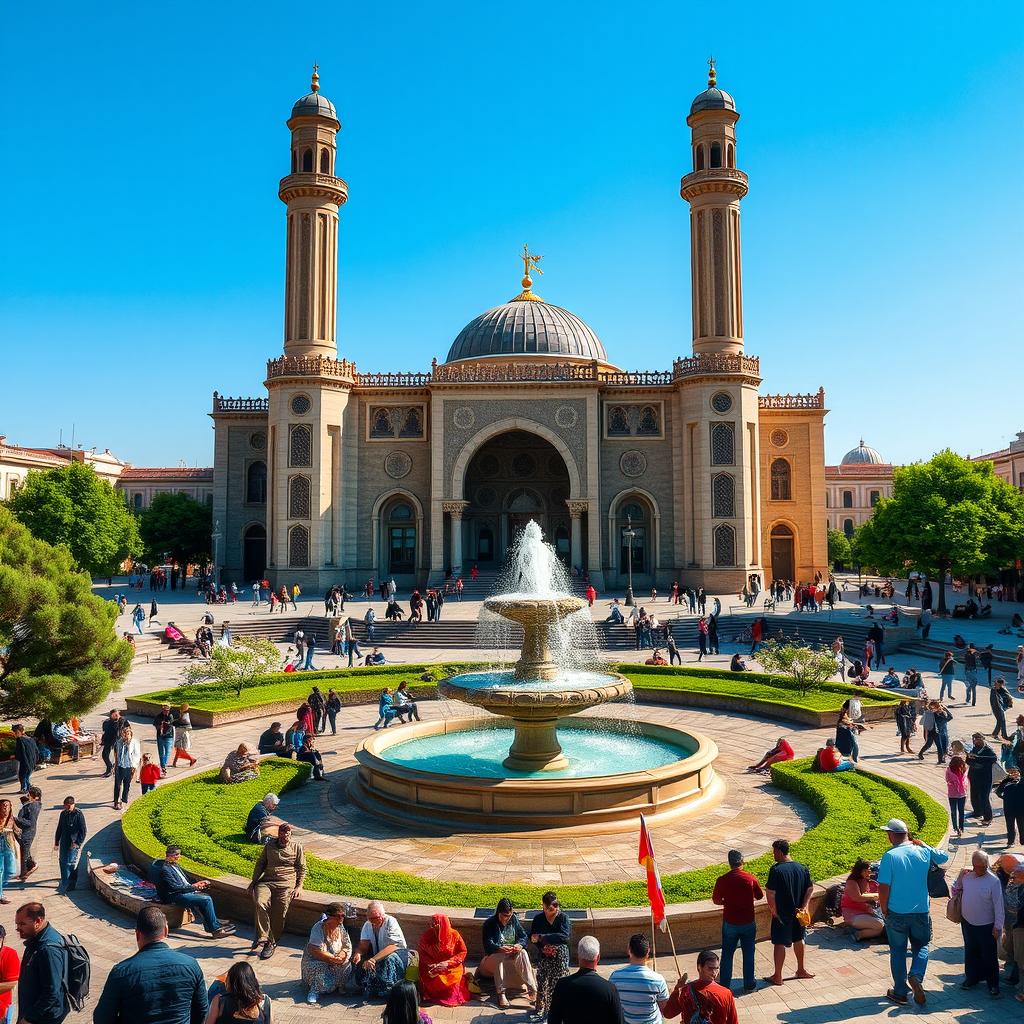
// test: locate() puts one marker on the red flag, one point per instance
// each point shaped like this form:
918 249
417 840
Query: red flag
654 893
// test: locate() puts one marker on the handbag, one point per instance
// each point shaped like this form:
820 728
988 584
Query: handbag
954 908
937 885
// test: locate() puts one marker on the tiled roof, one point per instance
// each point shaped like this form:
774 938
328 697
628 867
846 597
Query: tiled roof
167 473
874 470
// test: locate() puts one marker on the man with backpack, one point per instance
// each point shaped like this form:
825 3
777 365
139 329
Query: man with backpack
55 969
703 1000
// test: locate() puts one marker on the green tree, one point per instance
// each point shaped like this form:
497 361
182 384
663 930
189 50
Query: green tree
236 666
176 525
808 667
946 515
72 506
59 653
839 551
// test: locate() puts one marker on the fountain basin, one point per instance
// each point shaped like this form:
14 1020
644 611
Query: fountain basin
513 802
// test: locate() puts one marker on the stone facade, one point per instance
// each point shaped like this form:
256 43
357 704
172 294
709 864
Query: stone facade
418 475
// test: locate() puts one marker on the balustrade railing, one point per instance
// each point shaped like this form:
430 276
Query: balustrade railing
815 401
223 404
715 362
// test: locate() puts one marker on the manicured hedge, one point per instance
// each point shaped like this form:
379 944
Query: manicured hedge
205 817
294 686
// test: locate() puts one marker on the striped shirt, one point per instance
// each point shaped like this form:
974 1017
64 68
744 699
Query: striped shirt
640 992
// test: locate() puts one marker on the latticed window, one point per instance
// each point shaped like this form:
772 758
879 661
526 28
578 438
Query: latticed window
725 545
618 420
256 483
648 420
298 497
300 446
723 496
380 424
298 547
781 482
723 445
413 425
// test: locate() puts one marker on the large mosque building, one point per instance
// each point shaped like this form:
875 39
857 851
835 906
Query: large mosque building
688 473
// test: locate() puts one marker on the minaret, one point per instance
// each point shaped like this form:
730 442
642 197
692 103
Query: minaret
313 195
714 189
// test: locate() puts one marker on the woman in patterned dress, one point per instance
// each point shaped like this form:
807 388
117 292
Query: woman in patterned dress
550 933
327 957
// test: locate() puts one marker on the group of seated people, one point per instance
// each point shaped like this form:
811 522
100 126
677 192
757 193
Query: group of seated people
910 680
63 738
299 743
398 705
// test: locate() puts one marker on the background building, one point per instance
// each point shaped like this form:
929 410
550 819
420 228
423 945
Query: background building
854 487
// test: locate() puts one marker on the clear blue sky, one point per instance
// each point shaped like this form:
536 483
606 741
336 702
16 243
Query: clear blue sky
143 253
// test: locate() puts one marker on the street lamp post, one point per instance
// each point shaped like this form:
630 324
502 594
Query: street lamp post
629 533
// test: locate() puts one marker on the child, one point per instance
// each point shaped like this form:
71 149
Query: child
956 790
148 774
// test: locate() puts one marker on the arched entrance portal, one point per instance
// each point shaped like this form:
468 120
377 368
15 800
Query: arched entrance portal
254 553
513 478
783 555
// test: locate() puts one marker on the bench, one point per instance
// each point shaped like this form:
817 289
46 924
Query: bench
86 748
118 896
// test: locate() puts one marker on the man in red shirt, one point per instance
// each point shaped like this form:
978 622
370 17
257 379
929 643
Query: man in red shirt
735 892
828 759
714 1001
10 968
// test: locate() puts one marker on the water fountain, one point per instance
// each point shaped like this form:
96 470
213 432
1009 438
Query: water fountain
526 769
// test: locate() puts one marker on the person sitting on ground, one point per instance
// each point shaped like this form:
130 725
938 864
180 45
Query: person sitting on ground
505 957
442 963
293 739
737 664
311 756
859 673
272 741
615 613
782 751
828 758
173 886
383 956
891 680
240 765
261 824
912 679
375 657
404 704
860 903
657 658
242 999
385 709
327 956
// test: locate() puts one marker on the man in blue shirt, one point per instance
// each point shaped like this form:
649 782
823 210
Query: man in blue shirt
903 901
158 985
173 886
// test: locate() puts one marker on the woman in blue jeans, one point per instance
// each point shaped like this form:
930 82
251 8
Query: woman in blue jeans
947 673
8 854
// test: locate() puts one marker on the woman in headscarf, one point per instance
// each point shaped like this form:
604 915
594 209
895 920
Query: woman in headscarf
442 957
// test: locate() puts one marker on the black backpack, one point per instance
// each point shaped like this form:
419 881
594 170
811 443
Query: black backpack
77 973
833 900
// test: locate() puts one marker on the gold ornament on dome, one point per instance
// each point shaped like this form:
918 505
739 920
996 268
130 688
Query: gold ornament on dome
531 262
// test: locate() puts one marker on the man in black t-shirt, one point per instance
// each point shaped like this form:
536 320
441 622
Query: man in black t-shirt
788 891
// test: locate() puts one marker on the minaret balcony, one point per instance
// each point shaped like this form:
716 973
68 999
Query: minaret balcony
713 179
310 183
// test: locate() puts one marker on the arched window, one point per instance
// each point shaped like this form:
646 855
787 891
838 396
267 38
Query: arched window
848 527
723 445
298 497
730 155
716 154
381 425
781 480
307 160
401 534
723 496
295 161
648 421
325 161
298 547
618 422
413 425
256 483
699 158
875 497
137 500
300 446
847 499
633 516
725 545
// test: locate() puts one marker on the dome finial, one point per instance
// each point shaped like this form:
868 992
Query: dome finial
531 262
315 82
712 74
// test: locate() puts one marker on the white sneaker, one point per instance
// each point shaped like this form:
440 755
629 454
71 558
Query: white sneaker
311 999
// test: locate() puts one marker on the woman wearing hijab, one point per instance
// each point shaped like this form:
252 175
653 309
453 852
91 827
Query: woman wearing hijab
442 963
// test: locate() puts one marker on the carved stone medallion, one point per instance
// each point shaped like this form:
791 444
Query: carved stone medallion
633 463
397 465
464 417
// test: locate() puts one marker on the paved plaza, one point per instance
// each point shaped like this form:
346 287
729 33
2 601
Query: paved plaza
851 980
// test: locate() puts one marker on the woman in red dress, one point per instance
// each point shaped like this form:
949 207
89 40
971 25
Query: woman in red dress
442 963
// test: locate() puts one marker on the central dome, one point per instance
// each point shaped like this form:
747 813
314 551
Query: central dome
862 455
527 327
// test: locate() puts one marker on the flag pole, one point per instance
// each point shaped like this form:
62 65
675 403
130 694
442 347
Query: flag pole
672 943
654 955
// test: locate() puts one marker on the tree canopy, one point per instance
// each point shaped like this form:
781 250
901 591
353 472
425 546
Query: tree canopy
59 653
237 666
839 551
809 667
946 515
71 505
176 525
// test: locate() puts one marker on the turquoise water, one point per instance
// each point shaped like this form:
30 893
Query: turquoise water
479 753
505 680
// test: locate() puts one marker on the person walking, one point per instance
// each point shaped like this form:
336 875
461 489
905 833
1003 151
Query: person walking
351 643
26 753
318 706
153 612
333 706
310 651
585 997
127 758
163 723
981 760
971 675
278 875
155 984
982 917
642 991
44 967
702 637
1000 701
904 905
947 673
108 737
736 892
674 657
138 617
1011 792
905 723
985 661
27 821
67 841
183 737
956 792
369 619
295 593
788 890
713 633
925 620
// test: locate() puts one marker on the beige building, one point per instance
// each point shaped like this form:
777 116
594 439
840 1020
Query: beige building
338 475
141 484
854 488
1008 462
16 462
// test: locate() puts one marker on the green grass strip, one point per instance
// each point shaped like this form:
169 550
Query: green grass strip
205 818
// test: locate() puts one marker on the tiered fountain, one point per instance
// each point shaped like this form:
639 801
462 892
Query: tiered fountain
596 775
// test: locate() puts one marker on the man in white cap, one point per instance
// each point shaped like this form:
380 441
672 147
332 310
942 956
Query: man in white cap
903 901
